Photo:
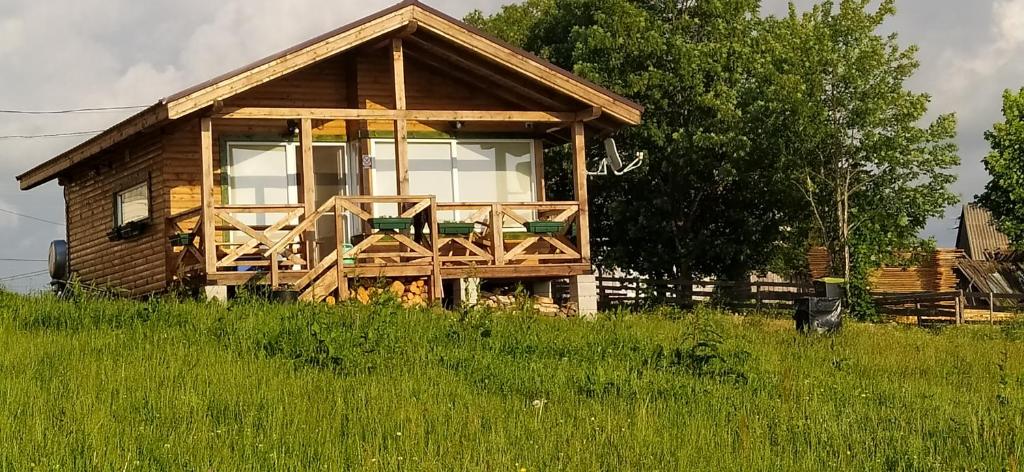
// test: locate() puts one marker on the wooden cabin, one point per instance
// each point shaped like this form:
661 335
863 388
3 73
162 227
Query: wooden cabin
407 145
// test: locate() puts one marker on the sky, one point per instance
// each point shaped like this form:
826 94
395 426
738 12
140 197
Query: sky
61 54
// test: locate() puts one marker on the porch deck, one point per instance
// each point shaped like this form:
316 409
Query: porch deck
286 252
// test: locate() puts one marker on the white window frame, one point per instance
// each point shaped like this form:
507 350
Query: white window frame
454 143
119 220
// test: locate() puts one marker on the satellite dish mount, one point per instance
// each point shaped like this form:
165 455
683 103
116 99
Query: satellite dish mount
613 162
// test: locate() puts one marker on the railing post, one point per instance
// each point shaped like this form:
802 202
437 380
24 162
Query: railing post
992 308
497 233
437 290
341 237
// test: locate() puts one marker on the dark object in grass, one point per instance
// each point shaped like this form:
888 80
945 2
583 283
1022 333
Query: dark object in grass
391 224
820 315
285 296
544 227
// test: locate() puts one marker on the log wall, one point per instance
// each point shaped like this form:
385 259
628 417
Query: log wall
137 266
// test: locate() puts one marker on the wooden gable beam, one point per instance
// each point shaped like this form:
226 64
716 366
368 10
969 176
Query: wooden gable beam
290 62
529 67
408 115
433 52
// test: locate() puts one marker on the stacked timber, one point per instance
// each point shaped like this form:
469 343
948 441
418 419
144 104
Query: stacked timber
413 293
934 272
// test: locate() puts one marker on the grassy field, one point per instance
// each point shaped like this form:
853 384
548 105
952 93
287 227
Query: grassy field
116 385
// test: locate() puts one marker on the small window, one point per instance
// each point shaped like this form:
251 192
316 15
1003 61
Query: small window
132 205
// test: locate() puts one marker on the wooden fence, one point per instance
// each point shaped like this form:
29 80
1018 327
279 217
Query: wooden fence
615 292
952 307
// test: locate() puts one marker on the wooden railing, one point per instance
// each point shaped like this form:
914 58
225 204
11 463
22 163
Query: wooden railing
279 241
501 236
185 231
246 245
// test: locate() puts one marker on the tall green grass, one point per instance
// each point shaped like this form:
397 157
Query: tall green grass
165 385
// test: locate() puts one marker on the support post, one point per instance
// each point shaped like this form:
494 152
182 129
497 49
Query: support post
466 292
437 288
341 237
308 187
498 233
401 125
208 217
538 154
583 292
579 151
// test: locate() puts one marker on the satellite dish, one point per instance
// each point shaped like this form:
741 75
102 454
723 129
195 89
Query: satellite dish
614 160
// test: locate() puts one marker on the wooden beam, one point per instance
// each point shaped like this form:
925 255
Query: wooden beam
140 123
401 125
538 169
209 226
332 114
530 67
308 184
579 176
503 82
288 62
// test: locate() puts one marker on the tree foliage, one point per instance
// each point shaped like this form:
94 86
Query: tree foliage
1004 194
765 135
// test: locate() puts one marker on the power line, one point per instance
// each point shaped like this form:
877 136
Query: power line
54 135
2 210
24 276
22 260
72 110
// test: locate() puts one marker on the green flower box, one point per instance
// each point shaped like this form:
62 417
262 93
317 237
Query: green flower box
456 229
182 239
391 224
544 227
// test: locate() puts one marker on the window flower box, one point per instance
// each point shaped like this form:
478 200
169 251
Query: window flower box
391 224
455 229
182 239
544 227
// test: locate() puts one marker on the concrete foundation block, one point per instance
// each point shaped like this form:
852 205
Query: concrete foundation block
216 293
466 292
583 292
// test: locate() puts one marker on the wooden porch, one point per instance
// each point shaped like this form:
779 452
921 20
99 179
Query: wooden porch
283 254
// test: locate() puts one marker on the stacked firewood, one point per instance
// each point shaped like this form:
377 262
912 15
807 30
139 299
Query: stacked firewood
412 293
543 305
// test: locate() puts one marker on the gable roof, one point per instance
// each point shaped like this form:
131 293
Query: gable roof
978 235
409 13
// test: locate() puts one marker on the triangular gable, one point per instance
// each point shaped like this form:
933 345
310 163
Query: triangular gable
404 15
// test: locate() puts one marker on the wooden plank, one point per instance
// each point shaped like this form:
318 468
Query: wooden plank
308 189
497 234
437 289
538 169
401 125
332 114
341 238
579 176
209 226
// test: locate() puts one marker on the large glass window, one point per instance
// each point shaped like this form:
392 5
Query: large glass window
261 174
495 171
473 171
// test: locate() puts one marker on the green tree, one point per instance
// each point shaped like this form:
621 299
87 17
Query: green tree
1004 194
704 204
870 174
